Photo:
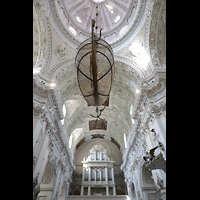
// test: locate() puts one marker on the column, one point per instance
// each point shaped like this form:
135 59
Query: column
107 190
88 190
41 157
100 175
60 186
89 177
57 181
82 188
114 190
83 176
106 171
112 172
95 175
129 190
100 155
95 155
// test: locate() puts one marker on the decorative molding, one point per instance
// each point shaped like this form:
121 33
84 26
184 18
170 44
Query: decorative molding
39 35
157 34
48 174
144 110
67 36
44 70
40 94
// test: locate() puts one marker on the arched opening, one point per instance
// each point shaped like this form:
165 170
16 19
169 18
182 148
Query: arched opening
98 170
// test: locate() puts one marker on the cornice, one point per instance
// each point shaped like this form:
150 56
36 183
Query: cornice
56 102
59 66
40 94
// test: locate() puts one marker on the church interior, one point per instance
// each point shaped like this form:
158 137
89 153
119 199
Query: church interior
99 99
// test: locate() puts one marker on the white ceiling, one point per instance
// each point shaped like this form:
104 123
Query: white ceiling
112 16
55 46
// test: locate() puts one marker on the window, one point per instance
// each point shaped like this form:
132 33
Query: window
70 141
125 142
131 110
72 30
64 113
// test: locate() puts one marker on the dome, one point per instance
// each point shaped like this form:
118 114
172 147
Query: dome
114 17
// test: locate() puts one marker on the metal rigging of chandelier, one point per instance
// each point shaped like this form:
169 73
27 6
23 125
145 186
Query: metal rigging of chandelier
95 69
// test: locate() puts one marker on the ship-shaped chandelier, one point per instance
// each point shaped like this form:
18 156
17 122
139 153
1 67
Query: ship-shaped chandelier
95 70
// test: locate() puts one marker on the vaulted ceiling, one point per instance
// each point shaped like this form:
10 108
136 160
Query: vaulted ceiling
135 30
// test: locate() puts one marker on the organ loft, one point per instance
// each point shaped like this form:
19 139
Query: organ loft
98 173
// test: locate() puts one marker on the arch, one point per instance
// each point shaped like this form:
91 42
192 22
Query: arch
136 69
98 147
98 142
84 151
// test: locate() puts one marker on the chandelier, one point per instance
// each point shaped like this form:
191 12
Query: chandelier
95 70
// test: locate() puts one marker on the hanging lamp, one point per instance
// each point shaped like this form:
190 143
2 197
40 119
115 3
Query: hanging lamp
95 70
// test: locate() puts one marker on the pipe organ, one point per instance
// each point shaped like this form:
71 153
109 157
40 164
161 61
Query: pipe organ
98 173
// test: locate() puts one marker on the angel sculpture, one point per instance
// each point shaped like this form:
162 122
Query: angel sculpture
150 155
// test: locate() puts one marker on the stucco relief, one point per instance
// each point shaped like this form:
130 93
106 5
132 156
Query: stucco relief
48 174
39 36
35 38
157 35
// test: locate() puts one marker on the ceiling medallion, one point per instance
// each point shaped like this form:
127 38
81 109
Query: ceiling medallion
95 70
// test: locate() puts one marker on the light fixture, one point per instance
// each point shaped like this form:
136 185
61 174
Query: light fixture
95 70
52 84
137 91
